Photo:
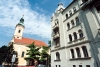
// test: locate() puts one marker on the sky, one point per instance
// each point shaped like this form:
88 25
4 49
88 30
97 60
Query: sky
37 15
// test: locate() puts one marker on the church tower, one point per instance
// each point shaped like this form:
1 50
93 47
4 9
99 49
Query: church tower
19 29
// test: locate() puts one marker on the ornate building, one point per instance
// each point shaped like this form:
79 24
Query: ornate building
75 38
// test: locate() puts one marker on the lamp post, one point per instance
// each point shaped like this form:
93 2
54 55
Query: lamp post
13 58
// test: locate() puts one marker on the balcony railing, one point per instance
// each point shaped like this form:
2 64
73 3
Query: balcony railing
56 36
55 26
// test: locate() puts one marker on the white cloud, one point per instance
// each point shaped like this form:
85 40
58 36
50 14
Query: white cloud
35 23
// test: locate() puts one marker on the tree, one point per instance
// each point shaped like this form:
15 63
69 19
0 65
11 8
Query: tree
33 55
3 53
44 55
6 53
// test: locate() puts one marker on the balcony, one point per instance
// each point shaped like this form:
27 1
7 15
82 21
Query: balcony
56 36
55 26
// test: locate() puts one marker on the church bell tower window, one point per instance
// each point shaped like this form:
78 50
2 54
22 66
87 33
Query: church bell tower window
19 31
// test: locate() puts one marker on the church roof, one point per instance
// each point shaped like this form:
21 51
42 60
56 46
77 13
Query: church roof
28 41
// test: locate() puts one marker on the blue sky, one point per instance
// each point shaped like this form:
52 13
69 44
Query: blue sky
37 15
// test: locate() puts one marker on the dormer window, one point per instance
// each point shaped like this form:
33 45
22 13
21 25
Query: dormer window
19 31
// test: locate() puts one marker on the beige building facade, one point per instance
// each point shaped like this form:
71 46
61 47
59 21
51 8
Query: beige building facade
20 43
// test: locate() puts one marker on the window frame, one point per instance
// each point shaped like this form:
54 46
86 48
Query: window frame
57 56
70 37
23 53
78 52
85 52
75 35
72 53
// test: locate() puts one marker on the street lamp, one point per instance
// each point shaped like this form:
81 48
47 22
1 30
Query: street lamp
13 58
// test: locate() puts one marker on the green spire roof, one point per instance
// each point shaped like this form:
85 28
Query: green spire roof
21 22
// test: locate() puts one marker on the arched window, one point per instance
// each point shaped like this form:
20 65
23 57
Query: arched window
72 53
70 37
57 56
68 25
70 12
85 52
23 54
74 9
66 16
75 35
80 33
78 52
72 22
19 31
77 20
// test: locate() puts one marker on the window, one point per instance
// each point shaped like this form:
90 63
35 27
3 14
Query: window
84 1
78 52
70 37
70 12
74 9
87 65
68 25
75 35
23 54
59 65
19 31
56 65
57 42
74 65
72 53
66 16
80 33
57 56
56 31
77 20
98 7
72 22
85 51
80 65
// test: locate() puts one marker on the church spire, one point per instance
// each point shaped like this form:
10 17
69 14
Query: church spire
21 21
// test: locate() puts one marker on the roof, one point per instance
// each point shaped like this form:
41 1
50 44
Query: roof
27 41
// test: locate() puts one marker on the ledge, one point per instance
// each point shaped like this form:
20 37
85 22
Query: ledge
57 46
79 43
57 60
84 58
76 40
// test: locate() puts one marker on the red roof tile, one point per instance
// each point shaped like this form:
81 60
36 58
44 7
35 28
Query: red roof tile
28 41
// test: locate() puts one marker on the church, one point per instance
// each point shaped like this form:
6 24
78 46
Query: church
20 43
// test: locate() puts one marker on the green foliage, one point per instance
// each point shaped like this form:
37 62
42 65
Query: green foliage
44 54
33 52
3 53
6 53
